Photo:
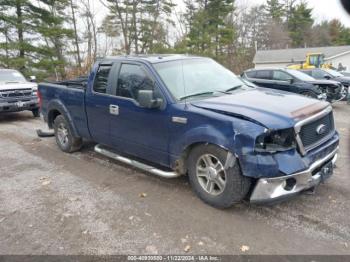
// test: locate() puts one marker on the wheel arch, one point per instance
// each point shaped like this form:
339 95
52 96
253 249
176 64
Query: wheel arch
56 108
181 165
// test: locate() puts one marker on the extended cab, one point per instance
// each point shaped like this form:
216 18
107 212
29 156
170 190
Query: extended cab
175 115
16 93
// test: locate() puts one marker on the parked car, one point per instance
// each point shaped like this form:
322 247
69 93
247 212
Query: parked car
345 73
16 93
296 82
175 115
330 74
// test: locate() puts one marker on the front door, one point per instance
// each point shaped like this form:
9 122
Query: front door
282 81
138 131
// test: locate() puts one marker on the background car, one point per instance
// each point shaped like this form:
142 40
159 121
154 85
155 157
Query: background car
16 93
294 81
329 74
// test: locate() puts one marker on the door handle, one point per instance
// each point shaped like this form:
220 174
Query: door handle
114 109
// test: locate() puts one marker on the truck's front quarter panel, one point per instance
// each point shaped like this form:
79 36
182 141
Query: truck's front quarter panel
238 136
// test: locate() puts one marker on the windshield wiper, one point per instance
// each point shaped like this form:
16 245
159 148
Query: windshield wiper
11 82
197 94
233 88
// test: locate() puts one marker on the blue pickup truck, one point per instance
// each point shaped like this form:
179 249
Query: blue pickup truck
177 115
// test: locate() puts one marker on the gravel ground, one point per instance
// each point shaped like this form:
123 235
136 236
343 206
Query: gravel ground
83 203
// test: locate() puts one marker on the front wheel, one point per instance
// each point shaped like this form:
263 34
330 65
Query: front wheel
64 136
215 177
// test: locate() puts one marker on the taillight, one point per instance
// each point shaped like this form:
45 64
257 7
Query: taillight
39 97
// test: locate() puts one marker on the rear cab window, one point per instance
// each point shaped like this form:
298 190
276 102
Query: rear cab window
101 79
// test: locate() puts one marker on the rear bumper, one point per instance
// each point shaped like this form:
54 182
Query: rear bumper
19 105
278 188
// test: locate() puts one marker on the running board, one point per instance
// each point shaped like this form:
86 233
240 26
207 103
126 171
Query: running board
155 171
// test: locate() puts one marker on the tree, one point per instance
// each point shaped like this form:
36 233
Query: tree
143 24
76 36
274 10
210 25
33 35
300 24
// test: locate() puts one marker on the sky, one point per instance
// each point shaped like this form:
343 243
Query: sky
323 9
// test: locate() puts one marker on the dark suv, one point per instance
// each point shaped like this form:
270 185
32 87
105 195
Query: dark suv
329 74
296 82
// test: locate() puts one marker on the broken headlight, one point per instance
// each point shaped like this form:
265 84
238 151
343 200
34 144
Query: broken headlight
275 141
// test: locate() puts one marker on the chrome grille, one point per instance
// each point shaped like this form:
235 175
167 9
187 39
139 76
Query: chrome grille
314 130
309 132
16 93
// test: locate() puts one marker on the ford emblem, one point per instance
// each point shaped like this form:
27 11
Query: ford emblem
321 129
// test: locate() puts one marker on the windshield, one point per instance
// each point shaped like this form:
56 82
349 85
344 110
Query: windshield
191 77
11 76
333 73
300 75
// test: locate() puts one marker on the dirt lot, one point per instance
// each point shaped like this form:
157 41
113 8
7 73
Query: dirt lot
56 203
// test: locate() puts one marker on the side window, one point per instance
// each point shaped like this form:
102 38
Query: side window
281 76
101 79
318 74
308 73
132 78
251 74
263 74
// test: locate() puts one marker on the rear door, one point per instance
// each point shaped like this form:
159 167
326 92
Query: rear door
135 130
97 103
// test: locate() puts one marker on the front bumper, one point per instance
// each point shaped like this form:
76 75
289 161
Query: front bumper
278 188
15 106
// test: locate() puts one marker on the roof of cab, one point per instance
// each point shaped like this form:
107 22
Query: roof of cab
153 59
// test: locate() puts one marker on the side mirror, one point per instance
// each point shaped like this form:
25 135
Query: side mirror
327 77
32 78
146 99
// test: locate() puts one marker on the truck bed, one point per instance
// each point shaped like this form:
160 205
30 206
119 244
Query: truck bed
71 95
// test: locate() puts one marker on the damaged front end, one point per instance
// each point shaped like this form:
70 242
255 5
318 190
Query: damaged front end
331 92
288 161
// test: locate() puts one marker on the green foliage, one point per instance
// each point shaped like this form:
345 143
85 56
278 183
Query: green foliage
210 29
142 24
300 23
33 34
274 10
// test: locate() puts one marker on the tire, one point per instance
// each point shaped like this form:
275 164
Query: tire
235 186
64 136
309 94
36 112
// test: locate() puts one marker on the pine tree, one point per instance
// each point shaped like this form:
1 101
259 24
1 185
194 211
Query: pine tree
210 26
143 24
299 24
33 35
274 10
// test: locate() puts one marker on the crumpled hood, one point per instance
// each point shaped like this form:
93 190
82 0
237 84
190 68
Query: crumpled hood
270 108
343 79
16 86
324 82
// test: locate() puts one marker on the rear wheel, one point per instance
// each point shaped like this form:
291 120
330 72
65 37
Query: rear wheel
64 136
36 112
216 182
